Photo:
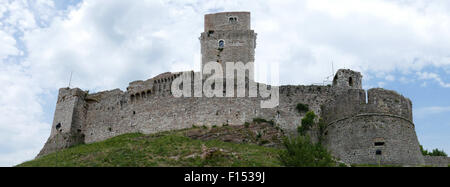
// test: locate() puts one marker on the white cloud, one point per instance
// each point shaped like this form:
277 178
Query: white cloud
21 126
432 110
390 78
7 45
432 76
113 44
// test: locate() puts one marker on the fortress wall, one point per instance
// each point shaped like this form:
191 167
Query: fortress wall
345 103
156 113
105 112
389 102
437 161
356 140
290 96
352 102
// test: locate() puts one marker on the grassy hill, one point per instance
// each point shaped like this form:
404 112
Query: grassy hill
247 145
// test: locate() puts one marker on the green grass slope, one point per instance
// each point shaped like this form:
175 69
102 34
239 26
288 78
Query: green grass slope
163 149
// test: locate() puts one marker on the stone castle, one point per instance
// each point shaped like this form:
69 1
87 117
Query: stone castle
362 127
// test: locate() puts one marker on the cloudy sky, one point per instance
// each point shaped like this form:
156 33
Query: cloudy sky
402 45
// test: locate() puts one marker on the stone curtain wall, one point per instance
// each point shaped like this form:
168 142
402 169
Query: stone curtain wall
437 161
114 113
354 125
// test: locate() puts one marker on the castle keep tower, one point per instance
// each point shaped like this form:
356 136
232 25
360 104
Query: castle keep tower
228 38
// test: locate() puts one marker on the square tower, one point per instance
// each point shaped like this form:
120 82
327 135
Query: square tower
228 38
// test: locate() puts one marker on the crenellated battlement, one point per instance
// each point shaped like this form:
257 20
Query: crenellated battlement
352 102
227 21
363 127
388 102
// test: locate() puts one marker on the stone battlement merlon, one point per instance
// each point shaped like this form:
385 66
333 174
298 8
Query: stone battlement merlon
353 102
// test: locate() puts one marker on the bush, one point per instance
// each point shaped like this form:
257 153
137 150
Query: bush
435 152
301 152
246 124
302 108
307 123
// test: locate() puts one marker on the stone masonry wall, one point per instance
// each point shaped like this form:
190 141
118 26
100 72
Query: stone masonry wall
373 127
437 161
113 113
377 131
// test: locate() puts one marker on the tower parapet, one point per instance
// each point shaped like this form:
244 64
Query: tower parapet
347 79
227 21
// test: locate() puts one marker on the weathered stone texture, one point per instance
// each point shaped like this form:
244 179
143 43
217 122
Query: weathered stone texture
437 161
239 41
361 128
357 139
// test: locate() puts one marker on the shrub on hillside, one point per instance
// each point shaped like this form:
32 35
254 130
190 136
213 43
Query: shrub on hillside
301 152
307 123
302 108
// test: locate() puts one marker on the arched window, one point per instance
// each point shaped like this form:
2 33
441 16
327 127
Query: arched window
221 44
350 81
232 19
